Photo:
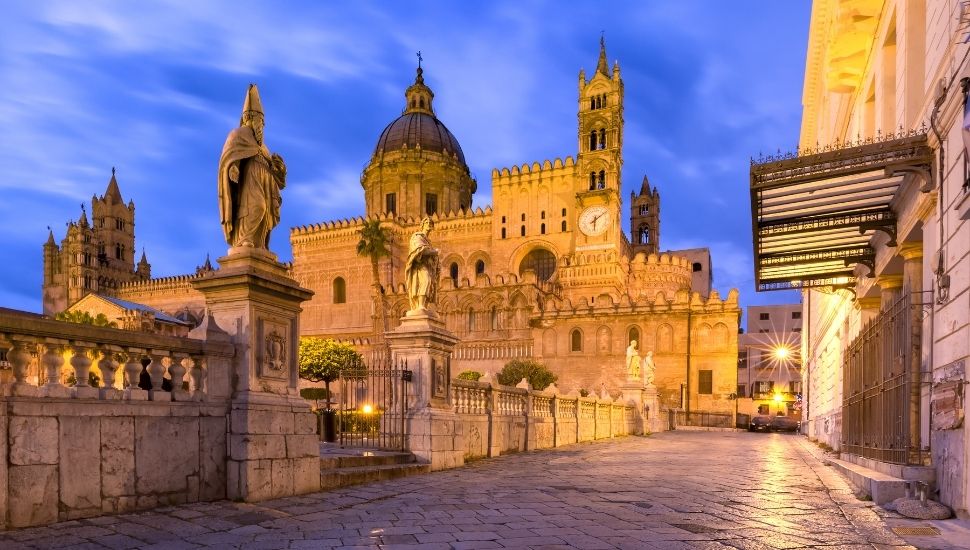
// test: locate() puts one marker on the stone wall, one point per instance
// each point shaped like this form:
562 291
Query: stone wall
497 420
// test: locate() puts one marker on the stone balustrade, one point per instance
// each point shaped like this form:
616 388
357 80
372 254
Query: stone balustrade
54 359
500 419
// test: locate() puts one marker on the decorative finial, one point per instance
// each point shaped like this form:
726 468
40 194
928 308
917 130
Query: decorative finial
112 171
419 59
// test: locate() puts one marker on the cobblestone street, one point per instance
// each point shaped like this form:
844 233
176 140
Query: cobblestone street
671 490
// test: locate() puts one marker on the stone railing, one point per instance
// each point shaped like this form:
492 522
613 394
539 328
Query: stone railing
43 354
500 419
151 432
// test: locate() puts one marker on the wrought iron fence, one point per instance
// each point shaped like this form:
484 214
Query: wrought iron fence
704 419
881 386
373 402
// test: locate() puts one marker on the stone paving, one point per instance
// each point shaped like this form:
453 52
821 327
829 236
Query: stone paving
667 491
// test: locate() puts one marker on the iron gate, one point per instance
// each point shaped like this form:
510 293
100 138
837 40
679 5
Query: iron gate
881 386
372 398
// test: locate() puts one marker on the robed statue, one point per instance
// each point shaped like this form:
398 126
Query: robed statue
632 361
250 180
422 269
649 369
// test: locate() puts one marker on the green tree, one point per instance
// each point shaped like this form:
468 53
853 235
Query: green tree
85 318
373 244
324 360
535 372
472 375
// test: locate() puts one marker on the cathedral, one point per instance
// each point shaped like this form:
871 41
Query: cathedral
545 272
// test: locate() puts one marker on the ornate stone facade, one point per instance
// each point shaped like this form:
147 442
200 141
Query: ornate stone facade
545 272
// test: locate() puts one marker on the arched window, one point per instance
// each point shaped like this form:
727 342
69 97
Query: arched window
119 251
480 267
412 103
696 266
339 291
643 234
564 225
604 100
592 103
602 140
503 232
602 180
542 229
592 182
542 215
503 219
471 319
453 271
564 212
634 334
592 140
523 216
576 340
494 318
522 231
541 261
644 209
421 102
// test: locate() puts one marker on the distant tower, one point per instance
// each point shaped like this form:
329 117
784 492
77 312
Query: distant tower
601 126
645 219
93 257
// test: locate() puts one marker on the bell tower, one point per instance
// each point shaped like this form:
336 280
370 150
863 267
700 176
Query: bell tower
600 157
645 219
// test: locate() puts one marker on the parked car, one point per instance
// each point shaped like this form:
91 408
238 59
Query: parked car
783 424
760 423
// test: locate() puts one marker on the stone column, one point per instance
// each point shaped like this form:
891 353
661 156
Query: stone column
434 429
919 415
868 308
273 446
890 287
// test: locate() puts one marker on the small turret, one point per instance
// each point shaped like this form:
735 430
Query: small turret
144 269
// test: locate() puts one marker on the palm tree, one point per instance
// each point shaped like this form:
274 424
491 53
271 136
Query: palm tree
374 241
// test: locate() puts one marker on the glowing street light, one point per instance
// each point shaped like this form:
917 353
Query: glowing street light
778 398
367 409
782 353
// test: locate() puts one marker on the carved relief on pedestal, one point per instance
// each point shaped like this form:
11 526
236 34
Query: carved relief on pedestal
273 344
439 378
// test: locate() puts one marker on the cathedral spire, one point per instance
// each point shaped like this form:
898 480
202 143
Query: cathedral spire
113 194
418 95
50 237
83 220
602 66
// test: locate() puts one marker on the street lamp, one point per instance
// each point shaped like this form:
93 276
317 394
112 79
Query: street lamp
782 353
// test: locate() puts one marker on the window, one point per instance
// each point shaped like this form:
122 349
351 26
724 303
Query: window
601 181
592 103
542 215
390 203
541 261
644 209
471 319
764 387
503 232
796 329
633 334
592 181
705 382
795 386
494 318
564 225
480 267
696 267
764 409
741 390
564 212
503 219
453 271
796 315
430 203
339 291
119 224
643 235
592 140
576 340
523 216
764 316
119 252
522 231
542 229
742 359
602 140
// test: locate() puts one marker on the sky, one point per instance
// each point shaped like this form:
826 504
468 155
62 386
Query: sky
153 87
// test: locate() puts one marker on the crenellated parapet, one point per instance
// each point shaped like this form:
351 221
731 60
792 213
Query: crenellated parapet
680 301
350 226
526 173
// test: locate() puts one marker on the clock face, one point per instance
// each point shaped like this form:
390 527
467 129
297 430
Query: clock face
594 221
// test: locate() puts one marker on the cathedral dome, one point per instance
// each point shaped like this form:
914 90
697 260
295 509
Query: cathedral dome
419 128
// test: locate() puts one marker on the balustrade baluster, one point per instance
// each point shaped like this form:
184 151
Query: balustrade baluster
133 368
19 358
53 360
108 365
156 370
81 362
176 371
197 377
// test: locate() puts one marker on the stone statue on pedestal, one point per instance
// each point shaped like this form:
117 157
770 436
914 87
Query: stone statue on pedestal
648 369
632 361
422 270
250 180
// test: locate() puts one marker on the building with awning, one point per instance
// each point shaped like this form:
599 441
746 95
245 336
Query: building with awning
869 220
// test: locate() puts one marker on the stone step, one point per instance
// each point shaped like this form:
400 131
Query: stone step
346 476
370 459
882 488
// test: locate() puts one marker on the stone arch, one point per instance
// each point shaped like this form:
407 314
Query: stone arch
665 338
604 337
474 258
633 333
720 336
576 340
702 337
523 250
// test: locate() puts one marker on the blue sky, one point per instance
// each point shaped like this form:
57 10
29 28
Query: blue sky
154 90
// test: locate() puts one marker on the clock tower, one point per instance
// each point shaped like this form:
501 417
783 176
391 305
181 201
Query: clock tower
599 160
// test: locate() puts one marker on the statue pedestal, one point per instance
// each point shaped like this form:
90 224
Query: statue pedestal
273 446
434 429
653 422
